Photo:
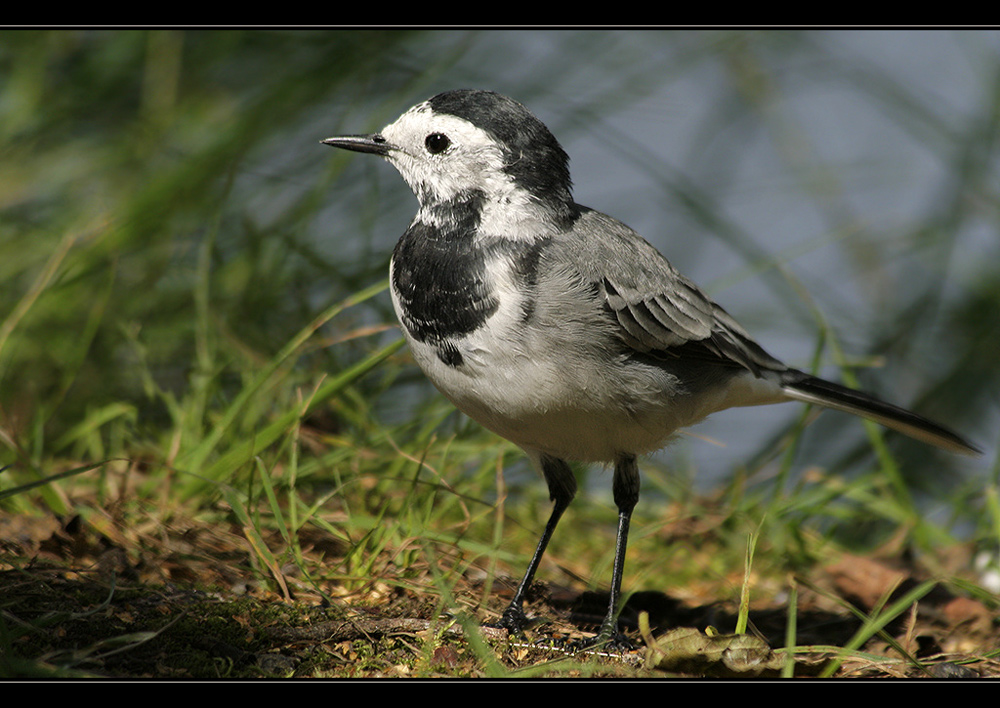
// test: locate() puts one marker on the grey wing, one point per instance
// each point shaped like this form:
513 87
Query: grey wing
659 311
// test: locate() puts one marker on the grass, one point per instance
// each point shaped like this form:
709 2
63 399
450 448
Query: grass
212 441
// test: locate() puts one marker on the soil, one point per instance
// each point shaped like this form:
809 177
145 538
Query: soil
85 599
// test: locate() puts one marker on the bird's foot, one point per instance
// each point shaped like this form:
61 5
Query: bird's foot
607 641
513 620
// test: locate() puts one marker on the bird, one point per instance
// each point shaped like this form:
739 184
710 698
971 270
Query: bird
559 328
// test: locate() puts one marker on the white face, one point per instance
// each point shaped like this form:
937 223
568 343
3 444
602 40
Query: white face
472 159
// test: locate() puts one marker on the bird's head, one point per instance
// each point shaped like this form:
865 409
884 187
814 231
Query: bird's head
473 144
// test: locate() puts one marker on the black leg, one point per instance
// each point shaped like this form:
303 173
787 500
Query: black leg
626 491
562 489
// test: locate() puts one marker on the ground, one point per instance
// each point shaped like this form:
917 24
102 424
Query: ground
186 601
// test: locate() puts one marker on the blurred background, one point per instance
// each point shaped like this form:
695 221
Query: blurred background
169 220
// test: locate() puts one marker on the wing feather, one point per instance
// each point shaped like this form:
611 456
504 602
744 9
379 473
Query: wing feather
658 310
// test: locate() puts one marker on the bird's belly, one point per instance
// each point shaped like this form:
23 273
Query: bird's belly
552 376
560 401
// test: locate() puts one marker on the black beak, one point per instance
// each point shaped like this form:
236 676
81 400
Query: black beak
374 143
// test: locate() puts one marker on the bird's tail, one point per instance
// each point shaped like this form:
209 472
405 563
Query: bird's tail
803 387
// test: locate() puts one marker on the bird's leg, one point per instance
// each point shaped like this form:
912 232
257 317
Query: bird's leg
626 493
562 489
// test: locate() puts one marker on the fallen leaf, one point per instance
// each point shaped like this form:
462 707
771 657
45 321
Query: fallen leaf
690 651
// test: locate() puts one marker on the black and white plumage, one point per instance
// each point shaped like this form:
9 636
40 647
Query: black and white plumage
558 327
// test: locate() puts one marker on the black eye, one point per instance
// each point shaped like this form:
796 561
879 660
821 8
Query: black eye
437 142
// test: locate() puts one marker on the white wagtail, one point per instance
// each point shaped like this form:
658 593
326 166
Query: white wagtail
558 327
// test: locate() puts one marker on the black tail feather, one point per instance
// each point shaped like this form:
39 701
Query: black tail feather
803 387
